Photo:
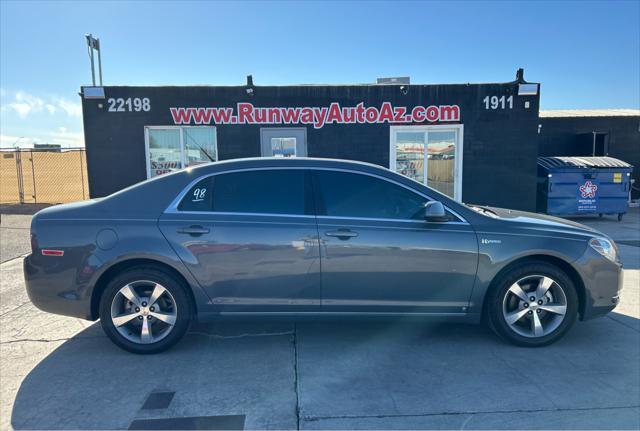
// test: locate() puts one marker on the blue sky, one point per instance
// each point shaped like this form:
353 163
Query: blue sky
585 54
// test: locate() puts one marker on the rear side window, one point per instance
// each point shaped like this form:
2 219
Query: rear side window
344 194
260 191
199 198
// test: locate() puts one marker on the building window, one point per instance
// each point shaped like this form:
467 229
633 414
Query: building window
283 147
171 148
283 142
431 155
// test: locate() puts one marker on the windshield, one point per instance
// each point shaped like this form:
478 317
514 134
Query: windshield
482 210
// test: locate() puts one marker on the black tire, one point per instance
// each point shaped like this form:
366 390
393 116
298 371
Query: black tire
620 217
529 271
178 295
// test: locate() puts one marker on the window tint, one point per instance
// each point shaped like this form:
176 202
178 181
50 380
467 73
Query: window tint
199 197
261 191
345 194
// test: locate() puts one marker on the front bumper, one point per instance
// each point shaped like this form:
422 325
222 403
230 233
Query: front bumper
603 281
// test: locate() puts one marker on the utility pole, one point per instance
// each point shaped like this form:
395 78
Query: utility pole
93 44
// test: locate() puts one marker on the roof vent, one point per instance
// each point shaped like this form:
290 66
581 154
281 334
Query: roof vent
394 80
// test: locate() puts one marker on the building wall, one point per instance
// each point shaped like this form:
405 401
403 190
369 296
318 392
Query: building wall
500 145
572 136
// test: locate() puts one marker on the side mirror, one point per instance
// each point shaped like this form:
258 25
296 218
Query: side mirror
434 211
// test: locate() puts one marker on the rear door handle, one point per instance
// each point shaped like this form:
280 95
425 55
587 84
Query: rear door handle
342 234
194 230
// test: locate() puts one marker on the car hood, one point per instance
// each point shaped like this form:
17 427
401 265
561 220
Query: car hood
542 221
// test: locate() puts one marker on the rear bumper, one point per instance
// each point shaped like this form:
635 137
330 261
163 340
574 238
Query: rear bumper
55 289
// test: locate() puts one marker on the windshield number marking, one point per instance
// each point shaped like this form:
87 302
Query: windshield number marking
199 194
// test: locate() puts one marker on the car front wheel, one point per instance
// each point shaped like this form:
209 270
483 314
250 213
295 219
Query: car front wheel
534 304
145 310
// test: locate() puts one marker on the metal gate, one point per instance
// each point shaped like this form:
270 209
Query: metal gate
43 176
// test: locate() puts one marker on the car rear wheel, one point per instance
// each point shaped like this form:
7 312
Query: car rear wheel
534 304
145 310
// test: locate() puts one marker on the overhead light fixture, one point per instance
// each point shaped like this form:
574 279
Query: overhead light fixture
527 89
93 92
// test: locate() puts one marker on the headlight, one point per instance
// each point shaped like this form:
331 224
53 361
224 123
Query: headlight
604 247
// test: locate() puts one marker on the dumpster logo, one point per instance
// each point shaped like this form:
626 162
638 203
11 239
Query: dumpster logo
588 190
587 196
246 113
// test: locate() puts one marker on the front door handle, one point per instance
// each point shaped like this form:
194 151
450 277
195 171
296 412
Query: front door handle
342 234
194 230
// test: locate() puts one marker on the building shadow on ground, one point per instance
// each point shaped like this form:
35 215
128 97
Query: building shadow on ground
262 369
22 209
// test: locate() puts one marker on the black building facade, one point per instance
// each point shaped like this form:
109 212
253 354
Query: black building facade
475 142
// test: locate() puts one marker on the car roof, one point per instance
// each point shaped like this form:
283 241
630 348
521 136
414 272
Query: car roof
260 162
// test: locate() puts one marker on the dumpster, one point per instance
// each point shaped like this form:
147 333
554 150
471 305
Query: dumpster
583 185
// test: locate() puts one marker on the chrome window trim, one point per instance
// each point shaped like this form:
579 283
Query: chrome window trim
227 213
396 220
173 206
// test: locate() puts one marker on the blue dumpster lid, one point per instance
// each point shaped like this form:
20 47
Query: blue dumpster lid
581 162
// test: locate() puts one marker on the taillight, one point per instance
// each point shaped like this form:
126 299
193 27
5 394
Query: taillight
49 252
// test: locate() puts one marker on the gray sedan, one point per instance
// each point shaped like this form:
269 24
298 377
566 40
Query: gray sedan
311 237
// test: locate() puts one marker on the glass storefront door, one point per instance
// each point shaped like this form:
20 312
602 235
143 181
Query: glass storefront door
283 142
431 155
172 148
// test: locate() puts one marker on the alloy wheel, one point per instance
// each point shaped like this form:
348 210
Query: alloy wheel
534 306
143 312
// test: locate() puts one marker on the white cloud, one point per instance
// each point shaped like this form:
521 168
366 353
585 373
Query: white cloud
62 137
66 139
71 108
8 141
25 104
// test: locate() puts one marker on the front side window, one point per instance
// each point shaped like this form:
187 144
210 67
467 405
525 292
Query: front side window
253 192
344 194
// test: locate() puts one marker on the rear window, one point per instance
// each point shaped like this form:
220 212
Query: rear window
199 197
266 192
254 192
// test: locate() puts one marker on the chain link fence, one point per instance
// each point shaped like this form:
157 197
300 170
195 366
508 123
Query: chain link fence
43 176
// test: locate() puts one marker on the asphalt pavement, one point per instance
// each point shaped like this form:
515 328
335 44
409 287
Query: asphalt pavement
60 373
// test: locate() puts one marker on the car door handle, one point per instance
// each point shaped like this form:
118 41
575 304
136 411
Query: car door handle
342 234
194 230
